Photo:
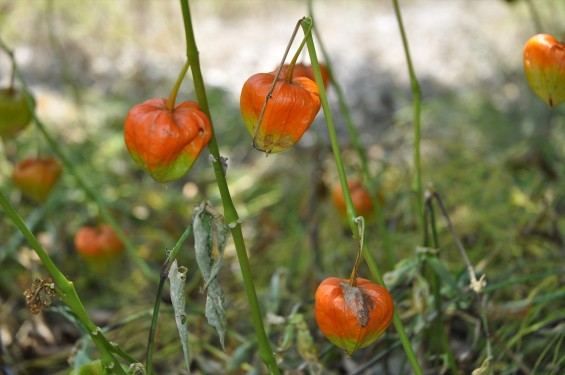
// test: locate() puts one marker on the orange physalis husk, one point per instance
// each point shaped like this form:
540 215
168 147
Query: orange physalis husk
166 143
544 65
352 317
36 177
288 114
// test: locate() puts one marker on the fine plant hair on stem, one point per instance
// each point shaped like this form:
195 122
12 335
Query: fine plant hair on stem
230 213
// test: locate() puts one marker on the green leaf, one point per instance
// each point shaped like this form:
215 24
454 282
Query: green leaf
275 291
210 237
177 278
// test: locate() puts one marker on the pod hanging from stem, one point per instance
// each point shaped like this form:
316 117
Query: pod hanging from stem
361 227
278 110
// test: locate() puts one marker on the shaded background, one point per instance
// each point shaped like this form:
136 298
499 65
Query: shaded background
490 147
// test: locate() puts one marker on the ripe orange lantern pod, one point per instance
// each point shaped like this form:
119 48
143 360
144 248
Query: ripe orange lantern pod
166 142
362 200
544 66
352 315
165 139
36 177
99 242
277 121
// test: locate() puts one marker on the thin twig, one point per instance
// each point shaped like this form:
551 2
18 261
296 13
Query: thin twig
476 285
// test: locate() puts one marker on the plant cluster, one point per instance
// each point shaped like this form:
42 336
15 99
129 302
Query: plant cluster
335 317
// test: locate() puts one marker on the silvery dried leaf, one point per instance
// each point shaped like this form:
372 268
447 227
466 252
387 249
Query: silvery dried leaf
210 237
177 278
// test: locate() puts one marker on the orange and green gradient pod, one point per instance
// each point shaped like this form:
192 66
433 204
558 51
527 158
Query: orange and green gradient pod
341 325
166 143
289 112
36 177
544 65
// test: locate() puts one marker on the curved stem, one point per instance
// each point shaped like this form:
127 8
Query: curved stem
66 290
230 213
351 215
290 71
361 227
170 105
356 142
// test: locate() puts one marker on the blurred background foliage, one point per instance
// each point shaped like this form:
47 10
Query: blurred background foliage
491 149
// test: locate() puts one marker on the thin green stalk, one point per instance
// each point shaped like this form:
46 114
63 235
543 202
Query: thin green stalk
230 213
81 181
356 142
164 274
170 105
415 87
292 64
437 335
538 28
351 215
66 290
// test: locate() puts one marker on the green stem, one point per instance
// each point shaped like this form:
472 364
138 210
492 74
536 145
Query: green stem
65 289
290 71
164 274
437 335
351 215
230 213
535 17
81 181
170 105
415 86
361 227
356 142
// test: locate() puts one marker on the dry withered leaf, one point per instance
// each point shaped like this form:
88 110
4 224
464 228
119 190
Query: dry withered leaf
40 295
358 301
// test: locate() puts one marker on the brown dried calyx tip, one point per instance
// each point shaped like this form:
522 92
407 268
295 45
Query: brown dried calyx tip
358 301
